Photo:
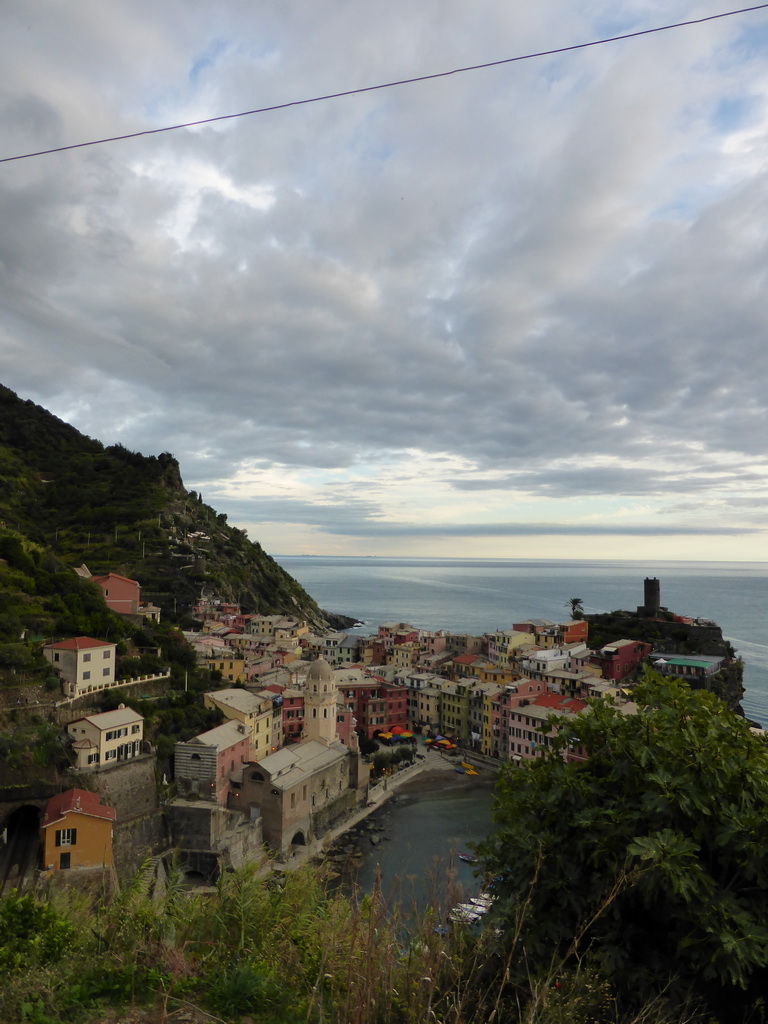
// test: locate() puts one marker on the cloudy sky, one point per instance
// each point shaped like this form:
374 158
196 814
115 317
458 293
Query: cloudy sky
517 312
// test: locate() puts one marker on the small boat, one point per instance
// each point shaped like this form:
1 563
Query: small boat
482 902
465 913
461 771
468 858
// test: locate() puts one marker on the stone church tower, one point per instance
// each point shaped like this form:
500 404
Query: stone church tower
320 699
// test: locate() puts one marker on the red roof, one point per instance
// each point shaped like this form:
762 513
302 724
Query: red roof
78 800
465 659
562 703
79 643
113 576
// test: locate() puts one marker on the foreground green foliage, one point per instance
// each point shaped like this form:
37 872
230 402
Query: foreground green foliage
650 858
631 888
269 951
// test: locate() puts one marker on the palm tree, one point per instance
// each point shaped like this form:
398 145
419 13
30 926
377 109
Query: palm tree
577 608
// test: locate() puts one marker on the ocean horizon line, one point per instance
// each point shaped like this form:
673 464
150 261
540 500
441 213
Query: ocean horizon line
542 558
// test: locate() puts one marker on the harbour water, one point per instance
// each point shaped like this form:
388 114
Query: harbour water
481 595
419 835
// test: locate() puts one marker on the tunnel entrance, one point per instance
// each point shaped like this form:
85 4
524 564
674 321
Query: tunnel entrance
20 851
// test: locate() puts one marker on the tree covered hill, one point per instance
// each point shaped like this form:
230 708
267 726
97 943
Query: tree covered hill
66 499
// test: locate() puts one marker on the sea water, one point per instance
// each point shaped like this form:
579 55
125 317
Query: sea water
481 595
421 835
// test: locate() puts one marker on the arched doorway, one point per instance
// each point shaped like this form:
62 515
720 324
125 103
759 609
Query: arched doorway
299 839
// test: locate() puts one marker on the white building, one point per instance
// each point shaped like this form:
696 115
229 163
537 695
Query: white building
108 738
84 665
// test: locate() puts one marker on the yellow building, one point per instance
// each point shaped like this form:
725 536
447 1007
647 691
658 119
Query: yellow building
404 656
76 831
480 696
255 711
506 645
231 665
454 709
489 742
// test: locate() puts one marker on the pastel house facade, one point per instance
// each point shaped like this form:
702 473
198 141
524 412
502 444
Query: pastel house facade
255 711
618 659
106 739
202 765
76 831
121 594
83 664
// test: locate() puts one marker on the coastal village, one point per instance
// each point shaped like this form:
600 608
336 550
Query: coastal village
285 768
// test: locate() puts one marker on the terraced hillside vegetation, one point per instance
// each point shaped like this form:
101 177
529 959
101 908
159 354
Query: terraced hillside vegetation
66 499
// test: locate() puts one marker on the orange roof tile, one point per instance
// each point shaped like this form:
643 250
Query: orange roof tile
79 643
79 801
105 577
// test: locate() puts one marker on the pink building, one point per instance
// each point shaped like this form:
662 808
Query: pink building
530 731
618 659
121 594
293 715
375 704
124 596
202 765
522 691
433 643
345 726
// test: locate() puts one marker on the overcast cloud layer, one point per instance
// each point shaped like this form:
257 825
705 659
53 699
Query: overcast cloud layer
515 312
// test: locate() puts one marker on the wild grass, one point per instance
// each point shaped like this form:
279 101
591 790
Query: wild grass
283 950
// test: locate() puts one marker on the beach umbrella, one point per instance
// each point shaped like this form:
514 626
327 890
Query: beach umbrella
397 730
385 735
405 735
444 743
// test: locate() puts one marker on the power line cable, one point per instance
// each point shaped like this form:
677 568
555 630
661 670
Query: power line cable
383 85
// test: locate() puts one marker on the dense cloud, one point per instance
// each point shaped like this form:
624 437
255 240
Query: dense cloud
525 300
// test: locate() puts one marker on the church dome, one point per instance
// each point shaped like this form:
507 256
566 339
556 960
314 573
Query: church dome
320 672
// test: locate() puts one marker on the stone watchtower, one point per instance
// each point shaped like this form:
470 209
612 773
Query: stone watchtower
320 698
651 598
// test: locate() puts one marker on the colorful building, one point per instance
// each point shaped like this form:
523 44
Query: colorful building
530 729
618 659
293 714
229 664
202 765
76 832
99 741
253 710
376 704
83 664
301 791
454 709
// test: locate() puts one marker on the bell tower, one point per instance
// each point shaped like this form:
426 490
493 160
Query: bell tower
320 698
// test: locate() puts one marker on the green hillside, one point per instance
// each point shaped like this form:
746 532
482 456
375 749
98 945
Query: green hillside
66 499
